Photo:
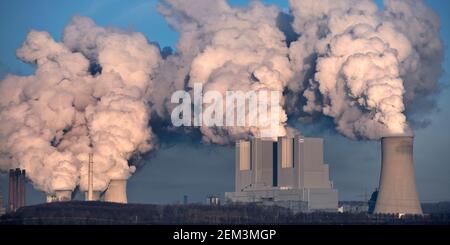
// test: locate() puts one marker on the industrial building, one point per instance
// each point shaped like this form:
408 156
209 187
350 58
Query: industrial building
289 172
16 197
397 191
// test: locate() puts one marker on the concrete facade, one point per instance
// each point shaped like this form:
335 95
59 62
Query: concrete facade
397 193
96 196
117 191
288 172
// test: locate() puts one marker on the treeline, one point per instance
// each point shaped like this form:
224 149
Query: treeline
439 207
81 213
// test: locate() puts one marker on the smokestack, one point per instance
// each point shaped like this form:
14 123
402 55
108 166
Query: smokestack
90 193
397 193
21 189
117 191
18 188
12 190
16 193
24 177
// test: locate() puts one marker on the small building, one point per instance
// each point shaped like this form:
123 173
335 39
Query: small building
289 172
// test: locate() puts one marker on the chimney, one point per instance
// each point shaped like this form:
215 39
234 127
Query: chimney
16 195
17 186
23 190
12 190
397 192
117 191
90 192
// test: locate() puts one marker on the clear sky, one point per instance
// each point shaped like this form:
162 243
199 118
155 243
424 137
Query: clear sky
185 167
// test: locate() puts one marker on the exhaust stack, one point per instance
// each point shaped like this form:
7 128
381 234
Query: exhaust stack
397 191
16 195
90 192
12 191
116 192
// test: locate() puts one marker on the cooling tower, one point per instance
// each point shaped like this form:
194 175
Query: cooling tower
95 196
116 192
397 192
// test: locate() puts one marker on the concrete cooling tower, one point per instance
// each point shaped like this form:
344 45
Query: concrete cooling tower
397 192
96 196
116 192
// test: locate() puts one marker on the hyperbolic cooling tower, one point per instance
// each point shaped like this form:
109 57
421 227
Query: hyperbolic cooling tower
116 192
397 193
95 196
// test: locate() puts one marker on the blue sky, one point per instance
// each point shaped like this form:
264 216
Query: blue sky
167 176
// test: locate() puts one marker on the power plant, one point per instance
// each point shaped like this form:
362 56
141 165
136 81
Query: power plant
397 191
16 198
289 172
116 191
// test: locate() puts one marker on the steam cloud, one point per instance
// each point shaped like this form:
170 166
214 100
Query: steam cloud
52 120
231 49
368 66
374 72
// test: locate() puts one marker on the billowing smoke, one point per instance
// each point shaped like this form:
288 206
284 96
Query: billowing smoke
231 49
363 67
374 72
86 96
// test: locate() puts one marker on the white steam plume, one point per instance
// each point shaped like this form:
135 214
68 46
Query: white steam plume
118 123
85 96
374 72
231 49
368 65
